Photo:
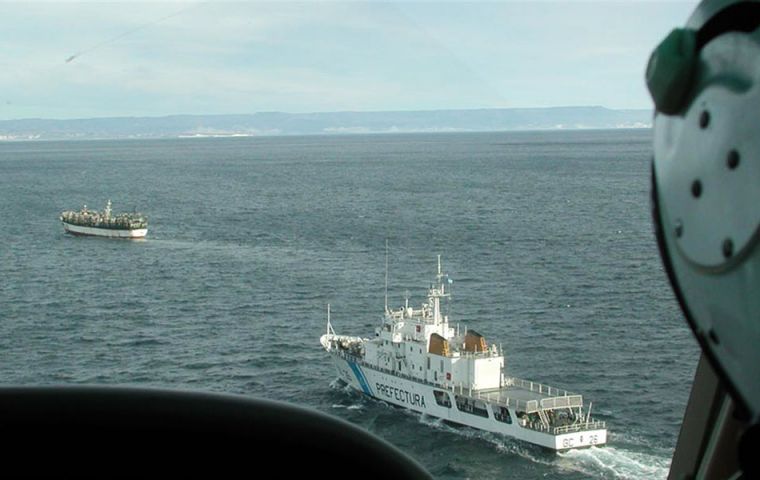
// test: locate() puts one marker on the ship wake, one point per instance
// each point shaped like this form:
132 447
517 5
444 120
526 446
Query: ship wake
611 462
595 462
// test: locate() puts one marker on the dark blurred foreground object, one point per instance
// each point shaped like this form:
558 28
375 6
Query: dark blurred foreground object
108 431
705 82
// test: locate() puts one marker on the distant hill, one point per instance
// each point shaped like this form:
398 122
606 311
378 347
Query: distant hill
275 123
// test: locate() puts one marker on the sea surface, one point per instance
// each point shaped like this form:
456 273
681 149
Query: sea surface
546 235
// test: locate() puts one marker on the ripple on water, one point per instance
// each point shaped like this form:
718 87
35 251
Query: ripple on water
547 236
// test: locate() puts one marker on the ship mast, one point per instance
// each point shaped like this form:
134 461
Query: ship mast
329 325
437 292
386 276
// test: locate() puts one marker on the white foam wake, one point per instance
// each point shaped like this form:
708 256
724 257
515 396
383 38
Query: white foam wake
595 462
607 462
354 406
611 462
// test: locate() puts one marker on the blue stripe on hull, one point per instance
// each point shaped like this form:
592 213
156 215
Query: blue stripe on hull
361 378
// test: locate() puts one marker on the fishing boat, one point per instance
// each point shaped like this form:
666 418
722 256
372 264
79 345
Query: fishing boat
419 360
105 224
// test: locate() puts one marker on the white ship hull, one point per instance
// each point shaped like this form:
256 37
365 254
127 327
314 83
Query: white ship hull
420 397
105 232
418 360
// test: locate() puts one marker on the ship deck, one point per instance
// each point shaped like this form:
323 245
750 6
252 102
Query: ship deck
525 395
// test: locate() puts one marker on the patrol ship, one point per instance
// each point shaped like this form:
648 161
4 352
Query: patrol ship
418 360
105 224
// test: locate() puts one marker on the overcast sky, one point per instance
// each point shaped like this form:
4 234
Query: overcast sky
101 59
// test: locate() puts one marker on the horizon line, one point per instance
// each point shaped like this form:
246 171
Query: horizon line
278 112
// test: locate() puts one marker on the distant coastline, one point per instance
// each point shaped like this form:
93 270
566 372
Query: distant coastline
327 123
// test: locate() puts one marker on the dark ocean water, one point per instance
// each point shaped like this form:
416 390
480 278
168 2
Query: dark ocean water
547 237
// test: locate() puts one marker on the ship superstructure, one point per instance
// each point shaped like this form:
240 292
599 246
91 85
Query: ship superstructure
105 224
419 360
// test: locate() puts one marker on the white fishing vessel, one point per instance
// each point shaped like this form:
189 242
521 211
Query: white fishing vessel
105 224
419 360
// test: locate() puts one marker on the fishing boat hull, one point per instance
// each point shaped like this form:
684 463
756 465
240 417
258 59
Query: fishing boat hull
441 403
104 232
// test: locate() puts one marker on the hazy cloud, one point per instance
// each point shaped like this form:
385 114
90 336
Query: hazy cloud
70 59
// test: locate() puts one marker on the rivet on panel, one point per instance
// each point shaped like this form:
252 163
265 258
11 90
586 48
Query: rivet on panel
728 247
696 188
733 159
704 119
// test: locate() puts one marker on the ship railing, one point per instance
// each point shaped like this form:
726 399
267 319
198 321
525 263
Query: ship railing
498 399
537 387
539 426
528 406
578 427
561 402
494 398
485 354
